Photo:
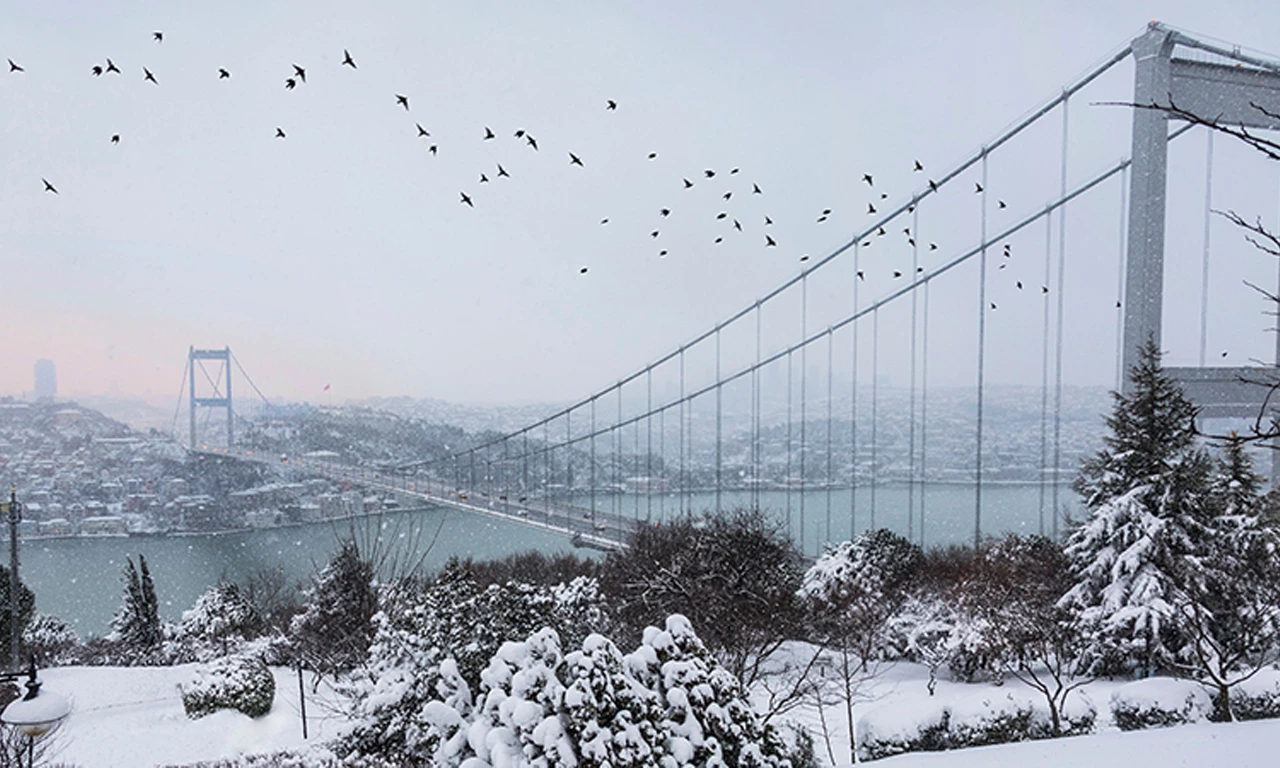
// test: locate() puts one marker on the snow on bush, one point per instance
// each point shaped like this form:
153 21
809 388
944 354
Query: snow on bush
1257 698
219 623
667 704
1157 702
242 683
992 717
50 641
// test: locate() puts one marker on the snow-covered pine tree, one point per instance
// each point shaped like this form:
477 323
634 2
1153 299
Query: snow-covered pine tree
333 632
1233 624
1147 495
222 618
136 626
614 721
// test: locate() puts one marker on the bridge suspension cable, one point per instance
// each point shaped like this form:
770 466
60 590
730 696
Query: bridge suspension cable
1061 299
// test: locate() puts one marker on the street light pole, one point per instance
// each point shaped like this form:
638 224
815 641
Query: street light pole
15 516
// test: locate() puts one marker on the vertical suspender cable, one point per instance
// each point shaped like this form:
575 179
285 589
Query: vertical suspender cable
662 463
1061 295
1120 269
1204 264
804 391
617 459
911 432
982 348
875 405
1044 361
788 480
830 396
755 417
683 405
635 461
853 409
568 470
648 450
547 477
593 460
924 406
719 423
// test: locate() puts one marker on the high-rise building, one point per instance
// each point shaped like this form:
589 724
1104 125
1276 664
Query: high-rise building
46 379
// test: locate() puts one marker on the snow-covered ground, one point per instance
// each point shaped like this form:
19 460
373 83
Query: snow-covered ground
133 717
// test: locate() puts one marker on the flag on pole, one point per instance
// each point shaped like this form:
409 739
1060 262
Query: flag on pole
326 388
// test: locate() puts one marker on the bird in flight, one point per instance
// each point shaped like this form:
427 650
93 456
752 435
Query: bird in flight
97 70
769 241
432 149
300 72
918 167
719 240
933 246
721 215
532 142
611 104
767 221
279 133
158 36
290 83
484 179
115 138
48 187
993 306
728 195
582 271
977 188
733 172
804 257
519 134
502 171
111 67
1002 205
403 101
867 178
662 254
653 155
347 61
1044 289
488 134
1019 284
604 221
861 276
896 274
573 160
422 131
933 185
665 212
871 209
467 201
14 67
146 75
687 184
223 74
654 234
822 218
755 189
736 225
709 173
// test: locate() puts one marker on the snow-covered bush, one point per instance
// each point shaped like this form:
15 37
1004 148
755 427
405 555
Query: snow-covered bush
242 683
50 641
991 718
1257 698
669 703
1157 702
221 620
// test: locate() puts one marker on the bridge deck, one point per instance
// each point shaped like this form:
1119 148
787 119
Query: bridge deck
584 526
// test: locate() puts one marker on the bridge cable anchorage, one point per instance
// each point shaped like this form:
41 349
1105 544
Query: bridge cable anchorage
1124 232
911 432
1204 266
1044 361
1061 297
924 407
875 405
982 348
804 395
853 411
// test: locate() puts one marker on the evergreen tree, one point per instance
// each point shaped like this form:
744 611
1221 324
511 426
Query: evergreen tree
26 608
333 632
136 625
1147 491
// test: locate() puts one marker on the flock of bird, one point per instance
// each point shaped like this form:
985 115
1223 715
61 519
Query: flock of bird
731 222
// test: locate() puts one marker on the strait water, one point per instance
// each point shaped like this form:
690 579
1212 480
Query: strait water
79 579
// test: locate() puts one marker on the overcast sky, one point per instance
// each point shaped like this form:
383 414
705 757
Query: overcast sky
342 254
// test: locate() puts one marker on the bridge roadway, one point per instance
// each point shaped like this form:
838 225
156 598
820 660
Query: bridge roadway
584 527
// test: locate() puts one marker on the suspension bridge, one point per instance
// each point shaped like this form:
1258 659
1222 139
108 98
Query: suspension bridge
782 405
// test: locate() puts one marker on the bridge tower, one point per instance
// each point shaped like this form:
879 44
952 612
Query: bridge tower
1225 93
196 358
